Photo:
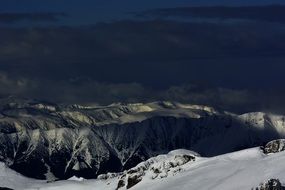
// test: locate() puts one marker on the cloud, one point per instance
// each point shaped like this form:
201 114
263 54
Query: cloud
74 90
270 13
237 100
155 53
8 17
143 41
88 91
238 66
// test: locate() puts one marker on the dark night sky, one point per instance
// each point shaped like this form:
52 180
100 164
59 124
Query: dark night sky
228 54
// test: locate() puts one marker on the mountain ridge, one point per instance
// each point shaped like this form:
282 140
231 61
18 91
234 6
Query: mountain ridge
88 141
182 169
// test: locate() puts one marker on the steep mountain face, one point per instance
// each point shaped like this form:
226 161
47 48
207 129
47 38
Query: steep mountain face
44 140
178 170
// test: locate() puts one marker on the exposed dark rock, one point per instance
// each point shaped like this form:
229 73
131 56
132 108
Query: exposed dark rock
133 180
274 146
31 168
121 183
272 184
5 188
157 167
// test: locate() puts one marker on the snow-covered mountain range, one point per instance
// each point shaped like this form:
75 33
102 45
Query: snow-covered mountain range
48 141
181 169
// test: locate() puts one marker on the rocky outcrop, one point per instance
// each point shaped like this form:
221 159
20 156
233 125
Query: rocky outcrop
271 184
155 168
274 146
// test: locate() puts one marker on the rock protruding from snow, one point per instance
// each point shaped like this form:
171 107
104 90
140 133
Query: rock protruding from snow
272 184
275 146
158 167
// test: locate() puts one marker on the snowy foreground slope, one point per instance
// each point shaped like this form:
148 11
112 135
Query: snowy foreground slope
48 141
180 169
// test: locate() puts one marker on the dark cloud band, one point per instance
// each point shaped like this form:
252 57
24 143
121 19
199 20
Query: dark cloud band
148 60
88 91
33 17
271 13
